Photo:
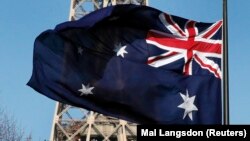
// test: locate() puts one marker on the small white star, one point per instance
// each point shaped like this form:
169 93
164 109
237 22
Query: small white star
86 90
80 50
117 47
121 51
188 105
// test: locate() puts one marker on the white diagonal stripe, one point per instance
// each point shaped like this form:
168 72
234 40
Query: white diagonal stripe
166 60
209 62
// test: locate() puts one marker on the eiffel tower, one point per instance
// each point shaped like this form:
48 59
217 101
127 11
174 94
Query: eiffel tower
76 124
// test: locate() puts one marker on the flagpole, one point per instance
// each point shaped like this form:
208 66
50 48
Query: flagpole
225 66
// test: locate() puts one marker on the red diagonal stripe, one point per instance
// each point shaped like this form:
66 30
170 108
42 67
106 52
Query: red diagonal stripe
213 30
161 57
207 66
171 22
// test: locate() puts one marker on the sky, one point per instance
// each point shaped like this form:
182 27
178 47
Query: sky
22 21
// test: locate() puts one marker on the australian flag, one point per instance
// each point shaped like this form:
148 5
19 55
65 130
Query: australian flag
135 63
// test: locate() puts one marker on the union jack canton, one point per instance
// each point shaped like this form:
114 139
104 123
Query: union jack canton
199 44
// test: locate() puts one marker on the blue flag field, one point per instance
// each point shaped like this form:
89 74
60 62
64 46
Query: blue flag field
135 63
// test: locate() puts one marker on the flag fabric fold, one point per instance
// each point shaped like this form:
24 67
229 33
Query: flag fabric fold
135 63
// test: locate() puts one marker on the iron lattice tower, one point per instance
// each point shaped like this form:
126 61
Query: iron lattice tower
76 124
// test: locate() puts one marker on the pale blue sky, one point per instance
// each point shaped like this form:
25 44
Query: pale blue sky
22 21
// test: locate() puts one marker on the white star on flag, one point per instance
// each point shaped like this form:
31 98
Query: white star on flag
80 50
188 105
86 90
118 46
122 51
